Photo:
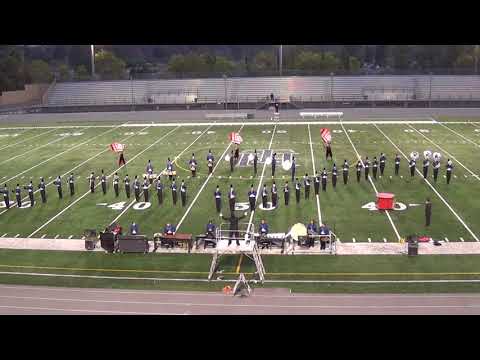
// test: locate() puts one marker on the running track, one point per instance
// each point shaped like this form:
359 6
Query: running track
56 301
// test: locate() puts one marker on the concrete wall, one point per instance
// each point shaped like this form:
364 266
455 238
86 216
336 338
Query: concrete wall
32 94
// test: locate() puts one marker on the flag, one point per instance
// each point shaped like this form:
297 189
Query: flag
235 138
326 135
116 147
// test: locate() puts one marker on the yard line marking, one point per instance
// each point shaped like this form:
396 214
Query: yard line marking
314 174
206 181
461 239
43 236
260 182
353 239
446 239
446 152
369 240
433 188
88 192
17 235
56 236
123 212
370 179
384 240
71 236
462 136
4 234
28 139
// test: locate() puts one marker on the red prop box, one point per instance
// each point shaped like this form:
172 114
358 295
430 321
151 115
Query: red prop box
385 201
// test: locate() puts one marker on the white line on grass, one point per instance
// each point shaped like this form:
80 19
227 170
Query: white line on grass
446 152
260 182
315 174
88 192
433 188
371 182
206 182
27 139
453 131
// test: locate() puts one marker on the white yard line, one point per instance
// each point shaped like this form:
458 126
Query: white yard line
261 178
88 192
27 139
453 131
123 212
371 181
449 154
314 174
433 188
206 182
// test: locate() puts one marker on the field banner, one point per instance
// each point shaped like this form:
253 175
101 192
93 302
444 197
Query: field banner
116 147
326 135
235 138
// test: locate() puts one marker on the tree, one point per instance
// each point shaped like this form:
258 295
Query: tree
40 72
309 61
330 62
464 61
108 66
353 64
265 61
81 73
223 65
63 72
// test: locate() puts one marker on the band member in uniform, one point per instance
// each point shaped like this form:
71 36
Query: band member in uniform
311 232
174 192
121 160
449 170
334 176
297 190
293 168
210 160
286 192
366 164
71 184
42 188
183 193
169 169
231 198
328 151
426 164
58 184
159 190
103 179
324 179
436 167
345 172
136 188
210 232
375 167
383 160
264 196
218 199
306 183
126 181
29 188
149 169
274 195
6 198
255 161
18 195
412 165
116 180
274 163
428 212
359 170
145 186
91 181
231 161
237 154
252 196
397 164
193 165
263 232
316 183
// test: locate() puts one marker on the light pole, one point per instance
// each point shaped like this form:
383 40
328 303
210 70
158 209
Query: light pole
225 84
92 50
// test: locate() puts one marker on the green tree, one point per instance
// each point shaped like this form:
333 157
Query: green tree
464 61
63 72
265 61
330 62
81 73
108 66
40 72
223 65
353 64
309 61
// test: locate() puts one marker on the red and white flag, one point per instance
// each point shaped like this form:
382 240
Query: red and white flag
116 147
235 138
326 135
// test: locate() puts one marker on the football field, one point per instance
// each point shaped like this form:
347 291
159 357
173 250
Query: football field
29 153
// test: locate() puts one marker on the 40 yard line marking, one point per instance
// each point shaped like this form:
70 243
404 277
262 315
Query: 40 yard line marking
314 174
433 188
370 179
88 192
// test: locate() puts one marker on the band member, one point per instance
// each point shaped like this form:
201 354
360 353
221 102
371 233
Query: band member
116 180
233 227
193 165
145 186
255 161
91 181
174 192
375 167
334 176
58 184
103 180
449 170
159 190
383 161
252 196
29 188
316 182
428 212
210 160
231 161
306 183
170 169
359 170
366 164
328 151
274 195
18 195
264 196
324 179
237 154
397 164
346 167
218 199
324 233
426 164
436 167
43 193
293 168
149 168
412 165
297 190
286 193
121 160
210 232
126 181
71 184
274 164
136 188
231 198
6 198
169 229
263 232
311 232
183 193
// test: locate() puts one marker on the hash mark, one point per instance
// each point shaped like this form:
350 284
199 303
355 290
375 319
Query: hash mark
369 240
56 236
71 236
43 236
461 239
384 240
446 239
353 239
4 234
17 235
